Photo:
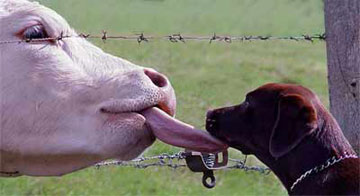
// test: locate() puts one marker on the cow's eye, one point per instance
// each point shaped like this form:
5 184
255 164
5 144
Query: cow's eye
35 32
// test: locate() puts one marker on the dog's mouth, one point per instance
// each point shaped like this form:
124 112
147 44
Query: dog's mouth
169 130
212 126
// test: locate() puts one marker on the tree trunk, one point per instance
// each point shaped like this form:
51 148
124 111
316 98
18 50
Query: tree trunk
342 24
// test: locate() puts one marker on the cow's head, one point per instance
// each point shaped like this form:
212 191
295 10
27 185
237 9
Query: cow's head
66 104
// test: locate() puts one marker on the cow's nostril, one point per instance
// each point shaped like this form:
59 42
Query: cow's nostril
157 78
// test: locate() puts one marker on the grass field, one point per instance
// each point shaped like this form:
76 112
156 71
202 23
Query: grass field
203 75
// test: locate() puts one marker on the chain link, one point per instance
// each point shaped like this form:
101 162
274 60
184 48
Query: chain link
175 161
175 38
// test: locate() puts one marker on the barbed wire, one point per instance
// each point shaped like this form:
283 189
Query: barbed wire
175 161
175 38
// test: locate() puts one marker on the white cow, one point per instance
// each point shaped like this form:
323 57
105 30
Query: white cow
66 104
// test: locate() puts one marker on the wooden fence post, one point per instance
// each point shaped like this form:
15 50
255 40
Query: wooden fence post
342 25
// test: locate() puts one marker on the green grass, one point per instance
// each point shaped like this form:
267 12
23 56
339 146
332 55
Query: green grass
203 75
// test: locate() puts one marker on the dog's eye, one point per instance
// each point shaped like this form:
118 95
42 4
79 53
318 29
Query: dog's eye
35 32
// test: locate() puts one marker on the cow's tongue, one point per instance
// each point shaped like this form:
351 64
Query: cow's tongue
177 133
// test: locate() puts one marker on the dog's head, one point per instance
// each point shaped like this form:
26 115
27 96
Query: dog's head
273 119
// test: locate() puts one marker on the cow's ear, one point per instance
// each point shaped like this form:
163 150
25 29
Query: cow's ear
296 118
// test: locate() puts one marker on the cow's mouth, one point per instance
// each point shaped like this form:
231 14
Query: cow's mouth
166 128
177 133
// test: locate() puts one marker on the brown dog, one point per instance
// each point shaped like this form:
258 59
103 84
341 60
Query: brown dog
287 127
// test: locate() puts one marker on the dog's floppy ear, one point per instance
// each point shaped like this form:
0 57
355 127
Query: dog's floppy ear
296 118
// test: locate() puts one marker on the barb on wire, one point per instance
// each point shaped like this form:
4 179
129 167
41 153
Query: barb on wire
60 37
142 38
239 164
213 38
104 36
174 38
174 161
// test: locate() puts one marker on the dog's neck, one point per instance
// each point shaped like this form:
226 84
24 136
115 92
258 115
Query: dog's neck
326 142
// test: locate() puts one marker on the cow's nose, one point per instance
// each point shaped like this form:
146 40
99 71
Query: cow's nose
157 78
168 103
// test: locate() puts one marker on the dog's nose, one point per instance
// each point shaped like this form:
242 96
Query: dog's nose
168 102
210 121
212 115
209 114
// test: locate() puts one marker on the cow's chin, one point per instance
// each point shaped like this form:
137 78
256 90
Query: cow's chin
127 136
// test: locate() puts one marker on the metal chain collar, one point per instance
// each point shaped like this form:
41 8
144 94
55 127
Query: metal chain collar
331 161
172 161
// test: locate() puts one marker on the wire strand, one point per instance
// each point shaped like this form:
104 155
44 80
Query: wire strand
176 38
